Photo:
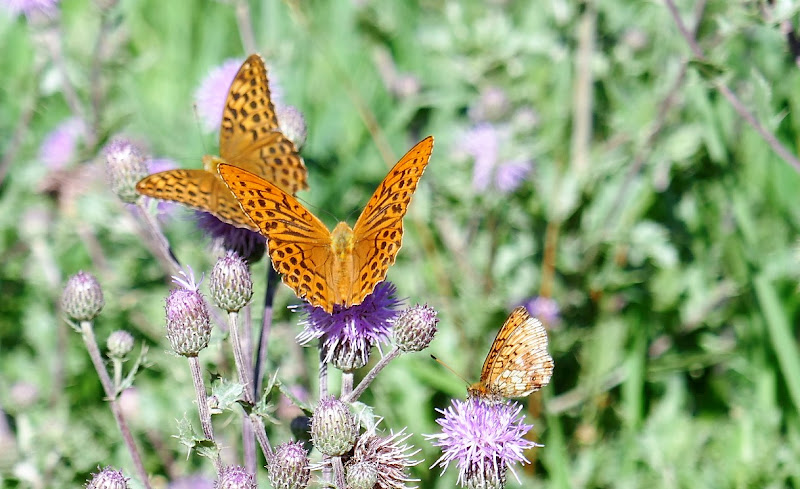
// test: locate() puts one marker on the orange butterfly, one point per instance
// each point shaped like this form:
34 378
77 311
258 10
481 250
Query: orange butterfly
518 363
249 138
340 267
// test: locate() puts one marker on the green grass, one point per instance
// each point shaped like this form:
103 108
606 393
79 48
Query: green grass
673 224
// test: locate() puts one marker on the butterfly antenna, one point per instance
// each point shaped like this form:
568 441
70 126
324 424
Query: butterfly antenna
450 369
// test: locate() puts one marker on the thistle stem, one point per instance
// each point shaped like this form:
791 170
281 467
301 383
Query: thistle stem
87 332
244 378
362 386
202 405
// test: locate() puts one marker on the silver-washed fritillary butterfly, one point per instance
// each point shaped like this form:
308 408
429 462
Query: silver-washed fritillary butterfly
518 363
331 268
249 138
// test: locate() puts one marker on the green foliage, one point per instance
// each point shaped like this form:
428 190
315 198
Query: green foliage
672 225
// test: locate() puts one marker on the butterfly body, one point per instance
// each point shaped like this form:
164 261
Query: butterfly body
518 363
249 138
333 268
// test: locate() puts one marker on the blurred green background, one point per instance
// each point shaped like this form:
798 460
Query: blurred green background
659 222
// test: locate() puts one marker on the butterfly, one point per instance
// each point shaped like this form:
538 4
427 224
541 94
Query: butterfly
518 363
331 268
249 138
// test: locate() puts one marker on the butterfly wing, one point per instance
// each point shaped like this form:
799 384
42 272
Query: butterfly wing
250 137
198 189
299 243
378 233
518 362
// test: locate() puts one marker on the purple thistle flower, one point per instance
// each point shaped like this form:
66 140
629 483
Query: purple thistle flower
349 333
246 243
212 93
483 438
30 7
544 308
60 145
511 174
482 142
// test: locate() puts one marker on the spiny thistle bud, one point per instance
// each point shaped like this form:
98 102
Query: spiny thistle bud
188 322
125 166
292 124
235 477
230 283
333 427
82 299
288 467
415 327
108 478
361 475
119 344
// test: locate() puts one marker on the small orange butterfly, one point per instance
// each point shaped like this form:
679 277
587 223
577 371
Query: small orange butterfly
249 138
340 267
518 363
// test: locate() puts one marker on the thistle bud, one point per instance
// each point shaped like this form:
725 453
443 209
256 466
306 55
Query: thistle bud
415 327
288 467
108 478
230 283
362 475
188 322
119 344
235 477
125 166
82 299
333 427
292 124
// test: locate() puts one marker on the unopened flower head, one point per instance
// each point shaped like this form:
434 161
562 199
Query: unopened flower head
230 283
235 477
333 428
119 343
361 475
246 243
288 467
82 299
415 327
60 146
188 321
108 478
125 166
390 455
292 124
349 333
483 438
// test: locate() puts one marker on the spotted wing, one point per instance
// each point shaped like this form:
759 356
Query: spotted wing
198 189
299 243
249 136
518 362
378 233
